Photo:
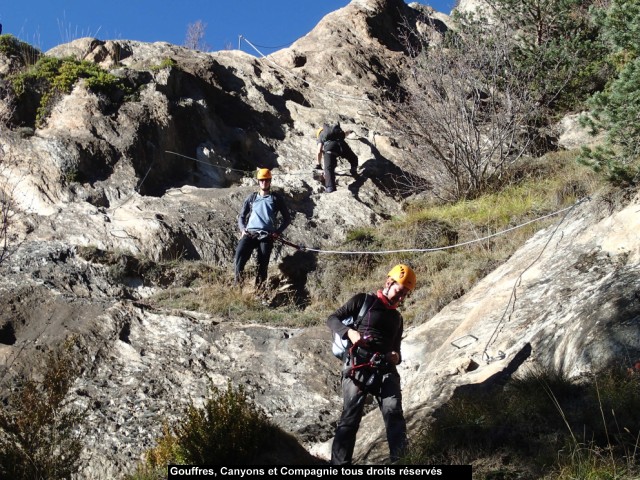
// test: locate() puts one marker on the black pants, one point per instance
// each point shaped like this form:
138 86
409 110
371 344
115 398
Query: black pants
389 399
246 246
331 161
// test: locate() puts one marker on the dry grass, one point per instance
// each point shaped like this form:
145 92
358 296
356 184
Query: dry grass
41 433
542 425
541 187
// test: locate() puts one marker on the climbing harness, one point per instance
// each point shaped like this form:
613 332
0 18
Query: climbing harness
374 365
258 234
262 234
376 359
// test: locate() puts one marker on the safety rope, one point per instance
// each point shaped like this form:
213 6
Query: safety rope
513 297
434 249
246 172
304 81
137 188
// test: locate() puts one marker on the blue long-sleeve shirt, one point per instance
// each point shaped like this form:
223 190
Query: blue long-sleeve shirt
259 213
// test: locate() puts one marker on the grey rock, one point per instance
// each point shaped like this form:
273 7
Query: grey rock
162 176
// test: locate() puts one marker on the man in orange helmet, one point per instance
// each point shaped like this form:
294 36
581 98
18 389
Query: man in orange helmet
370 366
258 227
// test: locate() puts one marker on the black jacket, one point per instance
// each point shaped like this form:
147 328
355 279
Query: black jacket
384 325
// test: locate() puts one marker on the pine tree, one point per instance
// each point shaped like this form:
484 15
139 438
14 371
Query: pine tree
616 109
562 38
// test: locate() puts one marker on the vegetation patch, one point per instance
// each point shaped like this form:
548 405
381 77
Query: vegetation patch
167 62
52 77
228 430
40 433
541 425
11 47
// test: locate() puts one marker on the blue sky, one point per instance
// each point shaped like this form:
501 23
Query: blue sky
267 24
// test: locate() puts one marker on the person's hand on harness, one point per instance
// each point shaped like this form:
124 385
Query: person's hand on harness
355 337
360 343
392 357
378 359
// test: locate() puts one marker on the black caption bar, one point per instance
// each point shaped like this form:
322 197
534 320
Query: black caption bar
180 472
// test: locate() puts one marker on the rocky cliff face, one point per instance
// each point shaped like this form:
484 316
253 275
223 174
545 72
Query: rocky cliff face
568 299
162 176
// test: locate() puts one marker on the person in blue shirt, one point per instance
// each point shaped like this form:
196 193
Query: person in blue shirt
258 226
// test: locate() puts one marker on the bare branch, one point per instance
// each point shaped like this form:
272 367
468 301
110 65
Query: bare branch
196 33
466 109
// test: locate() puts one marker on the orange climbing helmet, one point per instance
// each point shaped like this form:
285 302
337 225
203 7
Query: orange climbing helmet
404 275
264 174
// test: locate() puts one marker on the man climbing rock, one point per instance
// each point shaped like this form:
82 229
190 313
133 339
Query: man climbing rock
257 222
331 145
370 366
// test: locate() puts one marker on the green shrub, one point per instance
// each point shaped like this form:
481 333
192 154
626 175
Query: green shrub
39 436
543 423
615 109
229 429
14 48
51 77
167 62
